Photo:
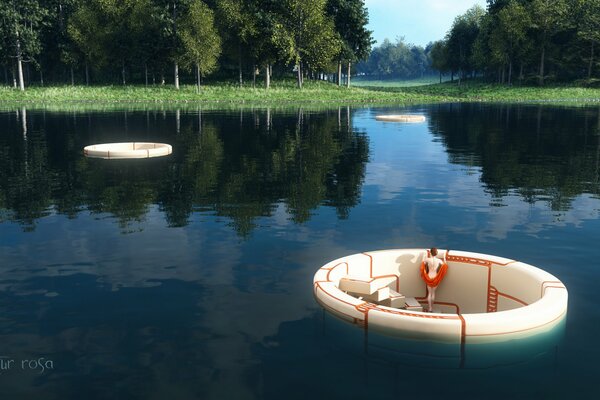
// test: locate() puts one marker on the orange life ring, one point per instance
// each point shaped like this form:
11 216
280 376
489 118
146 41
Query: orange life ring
438 278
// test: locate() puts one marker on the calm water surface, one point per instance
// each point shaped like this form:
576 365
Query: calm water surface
190 276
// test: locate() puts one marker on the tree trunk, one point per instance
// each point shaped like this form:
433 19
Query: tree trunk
6 76
14 77
240 64
299 75
348 76
176 67
510 73
253 76
72 77
542 59
503 74
123 72
41 77
452 76
339 74
521 74
267 77
87 73
197 78
20 63
146 73
440 76
591 61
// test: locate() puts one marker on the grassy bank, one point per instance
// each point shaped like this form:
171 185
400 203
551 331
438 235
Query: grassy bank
286 93
280 92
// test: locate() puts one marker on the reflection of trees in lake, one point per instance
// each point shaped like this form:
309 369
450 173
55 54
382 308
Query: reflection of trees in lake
542 153
240 165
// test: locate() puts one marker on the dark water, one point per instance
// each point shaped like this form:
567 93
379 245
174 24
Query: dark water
190 276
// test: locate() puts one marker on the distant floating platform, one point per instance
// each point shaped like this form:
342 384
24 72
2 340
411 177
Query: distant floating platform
127 150
401 118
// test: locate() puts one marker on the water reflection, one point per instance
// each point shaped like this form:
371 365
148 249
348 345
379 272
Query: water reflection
239 165
209 294
540 153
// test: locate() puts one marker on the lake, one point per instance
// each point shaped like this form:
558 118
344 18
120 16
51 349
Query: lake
190 276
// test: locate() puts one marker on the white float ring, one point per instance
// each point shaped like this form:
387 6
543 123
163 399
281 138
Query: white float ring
127 150
401 118
483 298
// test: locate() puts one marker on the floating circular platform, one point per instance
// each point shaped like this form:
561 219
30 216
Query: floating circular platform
127 150
482 298
401 118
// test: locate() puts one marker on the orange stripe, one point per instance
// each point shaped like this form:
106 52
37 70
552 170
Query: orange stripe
423 300
335 266
463 331
476 261
330 295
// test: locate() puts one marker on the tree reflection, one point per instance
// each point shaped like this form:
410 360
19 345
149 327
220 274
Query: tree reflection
542 153
240 165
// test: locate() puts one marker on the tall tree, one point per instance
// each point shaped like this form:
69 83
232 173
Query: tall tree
264 49
461 38
439 57
589 27
239 18
201 44
21 22
548 17
351 18
305 36
85 30
508 39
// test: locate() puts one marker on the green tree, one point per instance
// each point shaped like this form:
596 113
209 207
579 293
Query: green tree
439 57
304 35
589 27
201 44
21 22
85 30
351 18
461 38
508 39
548 18
238 18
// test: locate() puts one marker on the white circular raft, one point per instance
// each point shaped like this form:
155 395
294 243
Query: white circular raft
127 150
482 298
401 118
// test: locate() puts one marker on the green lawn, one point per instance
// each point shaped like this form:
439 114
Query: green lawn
280 92
285 92
388 83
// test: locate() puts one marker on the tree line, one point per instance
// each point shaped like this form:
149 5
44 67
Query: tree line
149 40
397 60
524 40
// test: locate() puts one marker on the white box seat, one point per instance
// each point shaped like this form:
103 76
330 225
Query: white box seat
364 286
395 300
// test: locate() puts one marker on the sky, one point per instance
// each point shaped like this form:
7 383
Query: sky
419 21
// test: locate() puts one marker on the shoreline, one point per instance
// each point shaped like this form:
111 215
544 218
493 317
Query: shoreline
283 94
